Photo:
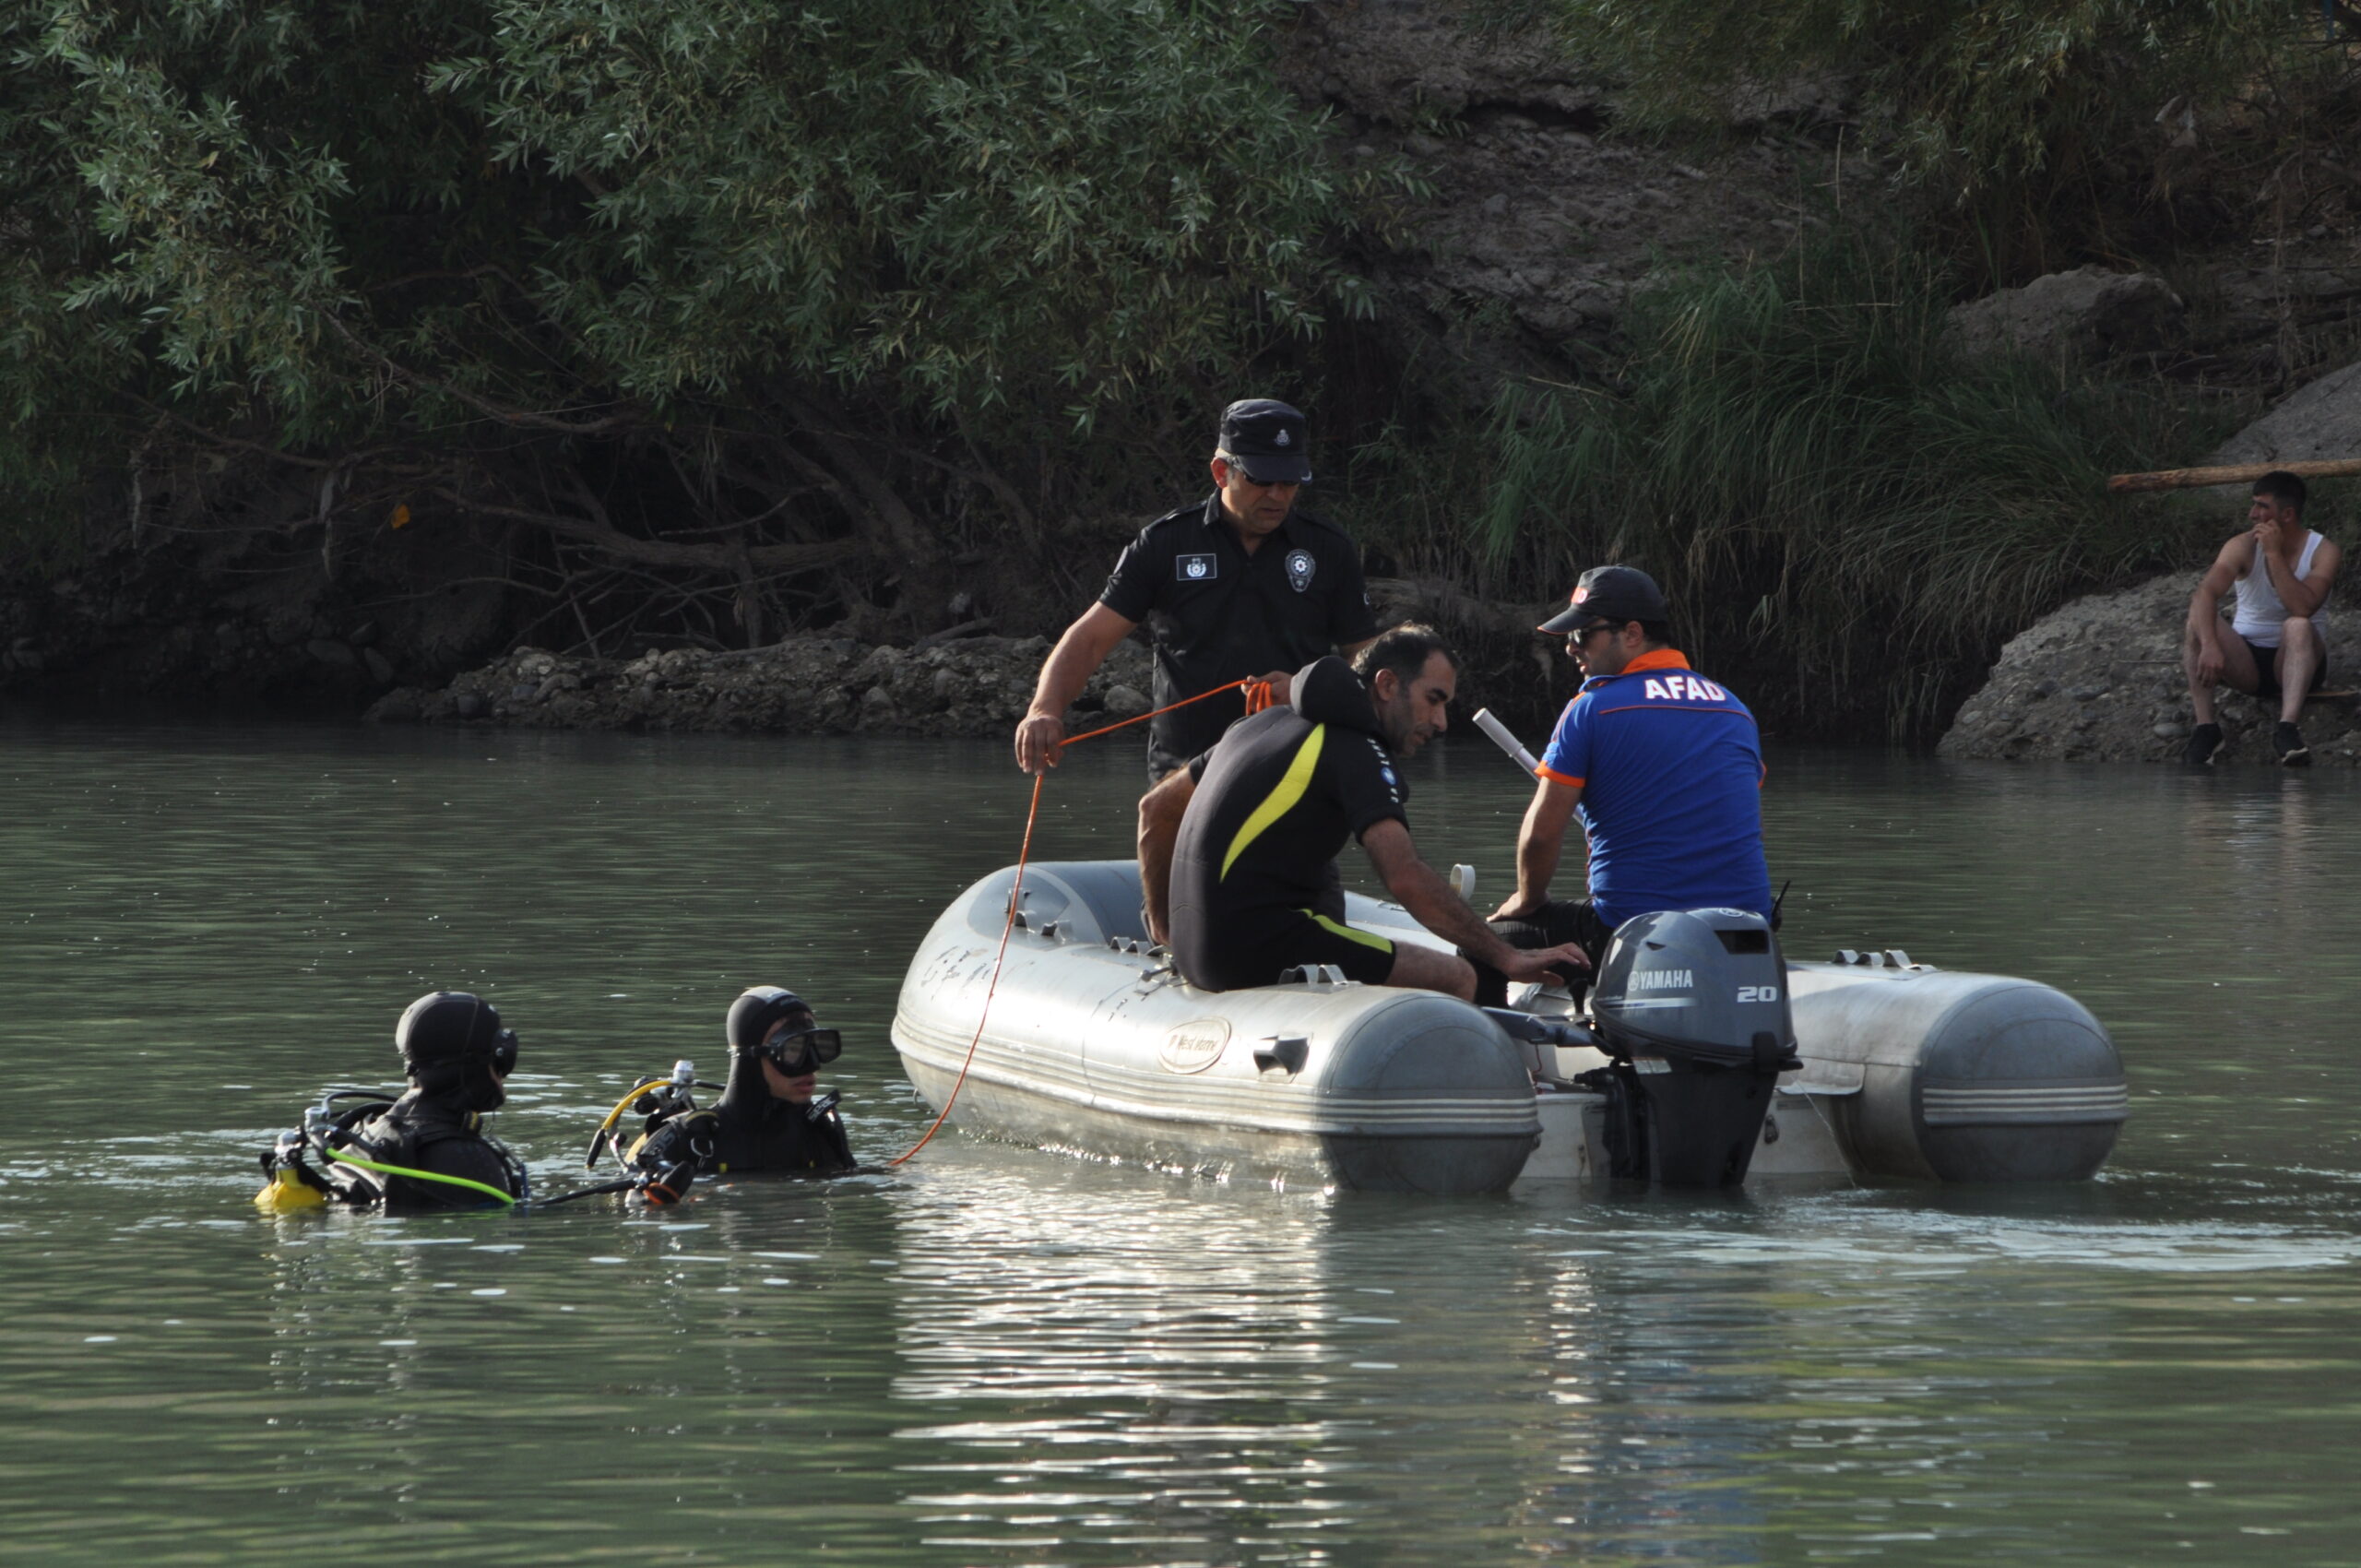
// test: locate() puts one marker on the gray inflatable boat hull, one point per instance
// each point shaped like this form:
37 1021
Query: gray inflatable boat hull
1095 1047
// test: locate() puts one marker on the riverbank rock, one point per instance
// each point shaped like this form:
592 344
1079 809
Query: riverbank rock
2319 424
2089 313
2100 680
800 685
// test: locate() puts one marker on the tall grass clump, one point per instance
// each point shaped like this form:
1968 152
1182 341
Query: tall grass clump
1838 501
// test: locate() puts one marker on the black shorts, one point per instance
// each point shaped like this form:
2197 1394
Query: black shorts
1556 922
1257 952
2266 669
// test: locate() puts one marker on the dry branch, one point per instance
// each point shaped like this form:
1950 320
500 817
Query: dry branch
621 546
2237 473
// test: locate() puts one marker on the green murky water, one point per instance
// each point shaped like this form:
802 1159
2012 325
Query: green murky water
998 1357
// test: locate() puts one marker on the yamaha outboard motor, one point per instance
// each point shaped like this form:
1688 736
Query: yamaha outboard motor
1692 1006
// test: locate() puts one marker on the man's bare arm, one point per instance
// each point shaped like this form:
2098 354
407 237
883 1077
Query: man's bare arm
1417 886
1540 842
2205 608
1081 651
2304 594
1160 813
2205 604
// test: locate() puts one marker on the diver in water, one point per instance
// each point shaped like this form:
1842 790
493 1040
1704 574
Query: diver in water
767 1117
426 1150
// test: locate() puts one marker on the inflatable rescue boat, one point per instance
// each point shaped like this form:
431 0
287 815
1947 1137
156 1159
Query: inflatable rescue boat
1705 1057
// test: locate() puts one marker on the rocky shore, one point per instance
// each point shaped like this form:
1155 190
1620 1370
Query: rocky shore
976 686
946 685
2100 680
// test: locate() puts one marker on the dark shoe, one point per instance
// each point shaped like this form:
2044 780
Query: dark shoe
2287 741
2204 745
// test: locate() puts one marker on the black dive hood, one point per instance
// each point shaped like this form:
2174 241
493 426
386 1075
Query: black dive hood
1327 692
454 1048
751 1017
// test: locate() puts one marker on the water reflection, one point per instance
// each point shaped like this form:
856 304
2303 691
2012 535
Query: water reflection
1116 1361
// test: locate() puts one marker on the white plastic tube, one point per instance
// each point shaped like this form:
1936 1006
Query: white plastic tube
1499 736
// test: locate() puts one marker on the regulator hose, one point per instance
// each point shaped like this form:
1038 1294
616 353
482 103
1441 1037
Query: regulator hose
598 1138
354 1159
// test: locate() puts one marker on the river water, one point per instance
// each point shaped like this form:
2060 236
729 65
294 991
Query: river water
1000 1357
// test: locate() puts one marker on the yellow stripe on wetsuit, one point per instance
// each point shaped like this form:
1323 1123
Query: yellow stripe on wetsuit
1279 802
1366 938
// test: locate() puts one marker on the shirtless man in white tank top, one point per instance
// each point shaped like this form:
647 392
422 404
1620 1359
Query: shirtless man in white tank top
2282 571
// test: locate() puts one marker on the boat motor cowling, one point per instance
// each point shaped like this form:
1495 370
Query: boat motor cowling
1692 1007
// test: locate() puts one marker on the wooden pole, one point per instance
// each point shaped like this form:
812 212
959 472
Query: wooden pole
2242 473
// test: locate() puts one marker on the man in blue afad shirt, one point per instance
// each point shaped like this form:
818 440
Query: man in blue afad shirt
1664 766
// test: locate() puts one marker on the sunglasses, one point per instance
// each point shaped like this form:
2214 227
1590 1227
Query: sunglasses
803 1051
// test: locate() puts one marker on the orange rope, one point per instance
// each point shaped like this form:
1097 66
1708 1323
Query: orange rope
1017 890
1253 688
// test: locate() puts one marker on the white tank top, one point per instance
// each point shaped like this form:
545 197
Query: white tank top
2260 613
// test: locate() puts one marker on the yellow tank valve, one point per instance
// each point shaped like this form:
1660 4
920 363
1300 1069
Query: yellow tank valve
286 1191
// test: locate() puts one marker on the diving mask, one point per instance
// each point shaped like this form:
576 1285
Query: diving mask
802 1051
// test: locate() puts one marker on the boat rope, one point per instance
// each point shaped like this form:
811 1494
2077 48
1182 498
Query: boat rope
1258 697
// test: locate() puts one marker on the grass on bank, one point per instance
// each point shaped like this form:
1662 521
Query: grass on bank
1841 505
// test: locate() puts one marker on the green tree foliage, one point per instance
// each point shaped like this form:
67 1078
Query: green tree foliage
705 290
2033 123
1833 497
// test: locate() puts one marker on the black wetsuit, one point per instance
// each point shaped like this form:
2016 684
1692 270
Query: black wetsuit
749 1129
1254 887
423 1132
1217 614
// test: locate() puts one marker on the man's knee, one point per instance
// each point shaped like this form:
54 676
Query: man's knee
2297 636
1422 969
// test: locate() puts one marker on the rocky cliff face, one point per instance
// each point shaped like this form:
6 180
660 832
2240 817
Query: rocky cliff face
1537 226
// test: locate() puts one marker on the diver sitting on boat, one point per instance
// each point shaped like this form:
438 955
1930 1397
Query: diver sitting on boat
1238 850
425 1149
767 1117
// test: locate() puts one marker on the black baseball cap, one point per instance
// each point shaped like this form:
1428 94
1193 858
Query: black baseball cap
1266 437
1609 596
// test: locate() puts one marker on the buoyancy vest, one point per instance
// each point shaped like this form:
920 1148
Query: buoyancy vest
419 1131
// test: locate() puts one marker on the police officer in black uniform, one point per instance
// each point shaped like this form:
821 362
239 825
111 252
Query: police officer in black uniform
767 1117
457 1059
1238 850
1243 584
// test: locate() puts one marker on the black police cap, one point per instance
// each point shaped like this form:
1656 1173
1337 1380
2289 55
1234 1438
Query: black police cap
1267 438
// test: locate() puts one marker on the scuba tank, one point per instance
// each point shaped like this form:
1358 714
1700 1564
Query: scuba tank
290 1183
